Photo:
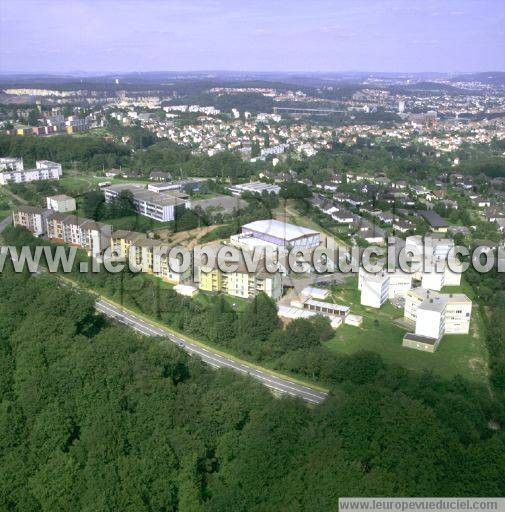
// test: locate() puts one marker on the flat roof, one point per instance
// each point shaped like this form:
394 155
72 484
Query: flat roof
140 193
279 229
410 336
327 305
60 197
312 290
292 312
434 304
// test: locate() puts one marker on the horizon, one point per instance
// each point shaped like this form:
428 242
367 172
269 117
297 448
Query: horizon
109 73
267 37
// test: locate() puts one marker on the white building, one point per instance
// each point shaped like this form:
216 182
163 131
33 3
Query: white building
11 164
315 293
399 283
430 320
186 290
61 203
440 267
421 303
374 288
255 187
158 206
47 164
433 280
458 314
44 170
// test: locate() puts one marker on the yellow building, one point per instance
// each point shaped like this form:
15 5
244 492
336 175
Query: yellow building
242 283
211 281
121 241
147 255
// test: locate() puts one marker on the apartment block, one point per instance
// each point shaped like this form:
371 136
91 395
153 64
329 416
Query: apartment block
458 313
148 255
399 284
31 218
241 283
11 164
44 170
430 320
435 314
86 233
374 288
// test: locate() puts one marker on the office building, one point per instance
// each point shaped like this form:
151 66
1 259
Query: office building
155 205
175 186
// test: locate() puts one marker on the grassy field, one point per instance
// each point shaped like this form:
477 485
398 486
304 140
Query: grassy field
457 354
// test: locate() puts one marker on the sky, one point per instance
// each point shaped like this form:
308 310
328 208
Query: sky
61 36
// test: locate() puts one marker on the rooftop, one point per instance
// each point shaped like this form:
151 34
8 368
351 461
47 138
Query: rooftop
279 229
433 219
60 197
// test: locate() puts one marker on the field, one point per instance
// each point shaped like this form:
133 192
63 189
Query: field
457 354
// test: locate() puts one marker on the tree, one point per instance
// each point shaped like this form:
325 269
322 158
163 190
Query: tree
33 117
93 205
259 318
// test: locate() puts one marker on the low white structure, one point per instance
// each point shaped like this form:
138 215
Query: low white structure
61 203
255 187
186 290
354 320
292 313
315 293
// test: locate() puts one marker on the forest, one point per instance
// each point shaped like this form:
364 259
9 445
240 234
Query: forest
96 417
144 155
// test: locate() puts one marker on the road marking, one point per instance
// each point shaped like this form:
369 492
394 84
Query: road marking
216 360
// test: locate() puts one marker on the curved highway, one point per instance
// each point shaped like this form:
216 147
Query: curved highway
282 385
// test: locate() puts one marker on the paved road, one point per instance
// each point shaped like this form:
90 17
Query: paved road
282 385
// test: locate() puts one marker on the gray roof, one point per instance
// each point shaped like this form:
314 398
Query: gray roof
433 219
